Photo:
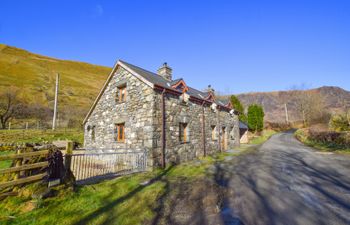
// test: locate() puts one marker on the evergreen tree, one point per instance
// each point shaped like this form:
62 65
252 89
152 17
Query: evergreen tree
255 118
261 115
237 105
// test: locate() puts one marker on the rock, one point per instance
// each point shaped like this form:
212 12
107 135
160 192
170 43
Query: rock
43 193
145 183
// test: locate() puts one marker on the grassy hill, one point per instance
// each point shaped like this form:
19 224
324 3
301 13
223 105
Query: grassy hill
35 75
80 83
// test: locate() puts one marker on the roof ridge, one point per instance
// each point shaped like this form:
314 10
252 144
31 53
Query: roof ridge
148 71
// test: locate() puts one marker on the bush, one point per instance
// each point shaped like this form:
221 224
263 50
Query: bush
331 140
339 122
277 126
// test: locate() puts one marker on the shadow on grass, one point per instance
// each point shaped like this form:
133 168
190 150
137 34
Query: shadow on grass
108 207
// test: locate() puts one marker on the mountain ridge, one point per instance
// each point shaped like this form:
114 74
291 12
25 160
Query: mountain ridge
335 100
35 75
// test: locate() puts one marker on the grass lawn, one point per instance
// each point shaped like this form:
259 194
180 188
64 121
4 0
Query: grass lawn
266 134
119 201
39 136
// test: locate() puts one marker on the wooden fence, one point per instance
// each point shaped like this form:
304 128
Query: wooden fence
23 164
86 167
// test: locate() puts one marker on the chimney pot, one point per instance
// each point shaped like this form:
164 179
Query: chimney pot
210 89
165 71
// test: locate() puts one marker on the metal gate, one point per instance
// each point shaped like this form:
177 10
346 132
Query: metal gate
91 166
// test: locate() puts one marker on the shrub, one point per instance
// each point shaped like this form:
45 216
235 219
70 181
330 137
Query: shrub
331 140
339 122
276 126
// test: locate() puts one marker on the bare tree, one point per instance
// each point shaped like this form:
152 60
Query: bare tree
9 105
309 105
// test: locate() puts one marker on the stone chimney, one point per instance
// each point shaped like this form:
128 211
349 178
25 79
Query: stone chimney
210 89
165 71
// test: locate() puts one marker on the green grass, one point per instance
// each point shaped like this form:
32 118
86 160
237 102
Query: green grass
35 76
326 147
40 136
6 163
264 137
119 201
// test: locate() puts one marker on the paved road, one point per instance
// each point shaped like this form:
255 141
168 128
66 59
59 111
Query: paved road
285 182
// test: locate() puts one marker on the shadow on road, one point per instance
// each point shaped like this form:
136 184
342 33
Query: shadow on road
283 183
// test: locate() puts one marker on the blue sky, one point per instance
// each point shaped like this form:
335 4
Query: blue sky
236 46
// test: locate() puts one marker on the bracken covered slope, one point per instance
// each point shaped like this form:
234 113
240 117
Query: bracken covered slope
35 75
81 82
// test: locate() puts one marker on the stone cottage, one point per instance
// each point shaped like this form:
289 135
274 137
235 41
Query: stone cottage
138 109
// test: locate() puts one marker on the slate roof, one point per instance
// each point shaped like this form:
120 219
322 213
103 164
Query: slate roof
243 125
159 80
148 75
153 78
175 81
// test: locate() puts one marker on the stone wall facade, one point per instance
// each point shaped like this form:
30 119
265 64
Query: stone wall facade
142 117
177 112
136 114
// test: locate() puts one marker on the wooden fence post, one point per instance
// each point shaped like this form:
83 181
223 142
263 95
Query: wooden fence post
18 164
69 152
25 172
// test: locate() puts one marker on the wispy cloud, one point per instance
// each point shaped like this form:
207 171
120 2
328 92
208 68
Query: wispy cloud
98 10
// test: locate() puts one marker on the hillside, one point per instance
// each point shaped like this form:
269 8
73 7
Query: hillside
80 83
35 75
335 100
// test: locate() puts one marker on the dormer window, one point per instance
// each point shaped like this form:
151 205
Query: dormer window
210 97
181 86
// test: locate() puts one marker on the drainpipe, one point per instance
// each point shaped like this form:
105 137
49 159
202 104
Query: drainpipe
163 128
203 130
219 128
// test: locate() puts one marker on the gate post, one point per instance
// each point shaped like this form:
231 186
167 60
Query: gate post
18 164
69 152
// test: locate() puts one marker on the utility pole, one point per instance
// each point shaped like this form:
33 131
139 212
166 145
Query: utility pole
56 102
286 111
